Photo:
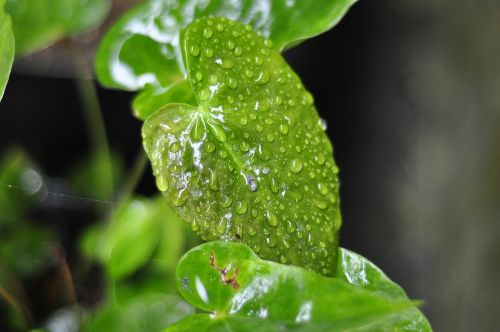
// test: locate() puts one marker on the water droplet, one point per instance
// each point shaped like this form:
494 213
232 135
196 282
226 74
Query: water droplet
227 63
212 79
320 158
270 138
244 146
262 77
204 94
241 207
230 44
198 76
268 43
271 218
295 196
174 147
275 185
284 129
243 121
238 51
296 165
312 175
212 182
226 201
194 50
258 60
221 227
218 132
162 183
207 33
323 189
320 204
233 83
290 226
179 198
307 99
219 27
210 147
208 52
248 73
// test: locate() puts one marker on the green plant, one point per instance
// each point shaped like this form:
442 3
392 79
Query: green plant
240 154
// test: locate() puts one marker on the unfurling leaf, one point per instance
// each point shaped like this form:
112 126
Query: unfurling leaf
251 163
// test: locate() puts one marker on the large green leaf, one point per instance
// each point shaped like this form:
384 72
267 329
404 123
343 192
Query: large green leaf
143 47
38 23
6 48
251 163
228 279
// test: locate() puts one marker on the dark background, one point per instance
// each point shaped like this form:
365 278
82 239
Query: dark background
410 92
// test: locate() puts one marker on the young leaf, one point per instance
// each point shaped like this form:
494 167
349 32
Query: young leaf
6 48
251 163
360 272
228 279
38 23
152 29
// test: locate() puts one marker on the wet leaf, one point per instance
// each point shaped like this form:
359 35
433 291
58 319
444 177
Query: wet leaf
251 163
360 272
143 47
229 280
6 48
38 23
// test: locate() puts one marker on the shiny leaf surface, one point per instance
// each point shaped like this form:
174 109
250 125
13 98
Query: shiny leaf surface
151 32
360 272
228 279
6 48
251 163
38 23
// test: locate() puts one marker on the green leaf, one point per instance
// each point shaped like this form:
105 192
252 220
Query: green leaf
38 23
6 48
142 231
228 279
154 98
151 313
360 272
143 46
251 163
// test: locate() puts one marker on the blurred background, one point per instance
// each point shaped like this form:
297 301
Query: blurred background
410 90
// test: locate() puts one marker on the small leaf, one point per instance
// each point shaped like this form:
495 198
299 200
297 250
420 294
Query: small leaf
6 48
154 98
153 30
38 23
228 279
360 272
251 163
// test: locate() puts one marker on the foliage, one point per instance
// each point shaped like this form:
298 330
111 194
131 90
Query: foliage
6 47
239 153
38 23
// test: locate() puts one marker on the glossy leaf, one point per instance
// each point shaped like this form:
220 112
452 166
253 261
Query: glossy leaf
151 313
251 163
38 23
143 46
360 272
6 48
154 98
228 279
143 230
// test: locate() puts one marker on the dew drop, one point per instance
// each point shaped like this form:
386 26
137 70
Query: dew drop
208 52
207 33
212 183
268 43
320 158
194 50
263 77
243 121
271 218
210 147
290 226
204 94
258 60
174 147
219 133
244 146
227 201
275 185
227 63
323 189
320 204
238 51
230 44
296 165
233 83
212 79
248 73
241 207
162 183
198 76
284 129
